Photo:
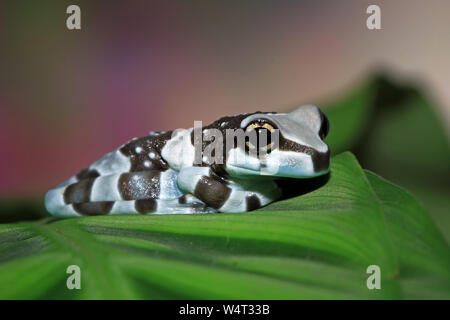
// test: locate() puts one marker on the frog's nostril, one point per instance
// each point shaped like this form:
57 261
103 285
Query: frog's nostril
325 126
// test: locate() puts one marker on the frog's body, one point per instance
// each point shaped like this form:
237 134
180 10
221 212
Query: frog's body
158 173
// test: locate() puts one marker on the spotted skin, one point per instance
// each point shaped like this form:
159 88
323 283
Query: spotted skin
158 174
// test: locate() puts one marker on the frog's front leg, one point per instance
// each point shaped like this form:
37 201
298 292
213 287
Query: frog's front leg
226 196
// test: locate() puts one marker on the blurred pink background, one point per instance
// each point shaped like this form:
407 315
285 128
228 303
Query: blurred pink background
68 97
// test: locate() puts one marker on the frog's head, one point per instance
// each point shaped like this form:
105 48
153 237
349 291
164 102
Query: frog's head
297 152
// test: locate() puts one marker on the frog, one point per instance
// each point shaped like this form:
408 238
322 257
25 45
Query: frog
160 173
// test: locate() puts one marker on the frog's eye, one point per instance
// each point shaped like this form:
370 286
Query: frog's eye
325 126
263 130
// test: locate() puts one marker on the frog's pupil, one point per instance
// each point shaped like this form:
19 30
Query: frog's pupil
259 135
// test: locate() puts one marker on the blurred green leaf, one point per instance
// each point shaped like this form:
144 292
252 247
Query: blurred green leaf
317 245
393 130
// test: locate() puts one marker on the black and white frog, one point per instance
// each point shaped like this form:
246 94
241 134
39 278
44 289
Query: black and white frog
159 173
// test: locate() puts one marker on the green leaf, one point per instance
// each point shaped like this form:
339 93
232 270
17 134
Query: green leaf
418 246
317 245
393 129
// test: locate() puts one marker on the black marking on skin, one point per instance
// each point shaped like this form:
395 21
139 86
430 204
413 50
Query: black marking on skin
93 208
87 173
145 205
212 192
139 185
182 199
252 202
148 144
320 160
79 192
289 145
218 173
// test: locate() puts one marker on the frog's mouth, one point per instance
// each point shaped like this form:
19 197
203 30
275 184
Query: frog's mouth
277 164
